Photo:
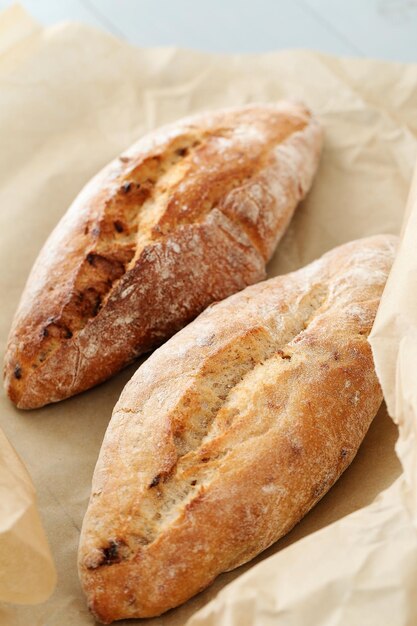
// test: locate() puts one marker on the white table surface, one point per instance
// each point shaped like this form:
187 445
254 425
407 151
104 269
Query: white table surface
385 29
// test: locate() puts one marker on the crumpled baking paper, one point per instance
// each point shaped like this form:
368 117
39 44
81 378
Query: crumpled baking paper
72 98
27 573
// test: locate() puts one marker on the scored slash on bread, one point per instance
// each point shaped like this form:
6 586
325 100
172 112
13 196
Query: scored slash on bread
231 431
187 216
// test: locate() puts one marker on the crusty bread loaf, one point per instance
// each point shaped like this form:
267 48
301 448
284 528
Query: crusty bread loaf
189 215
230 432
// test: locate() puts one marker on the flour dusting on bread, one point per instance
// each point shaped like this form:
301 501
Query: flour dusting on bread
187 216
230 432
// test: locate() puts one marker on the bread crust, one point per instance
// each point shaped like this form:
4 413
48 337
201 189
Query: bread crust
231 431
188 215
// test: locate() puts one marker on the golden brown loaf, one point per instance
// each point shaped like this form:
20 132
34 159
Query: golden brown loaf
187 216
230 432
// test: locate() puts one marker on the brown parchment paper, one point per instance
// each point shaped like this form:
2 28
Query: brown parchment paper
394 343
71 98
27 573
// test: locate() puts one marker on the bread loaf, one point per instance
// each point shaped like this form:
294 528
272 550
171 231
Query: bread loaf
187 216
230 432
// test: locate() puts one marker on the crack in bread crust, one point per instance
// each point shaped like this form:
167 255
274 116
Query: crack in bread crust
194 426
114 244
